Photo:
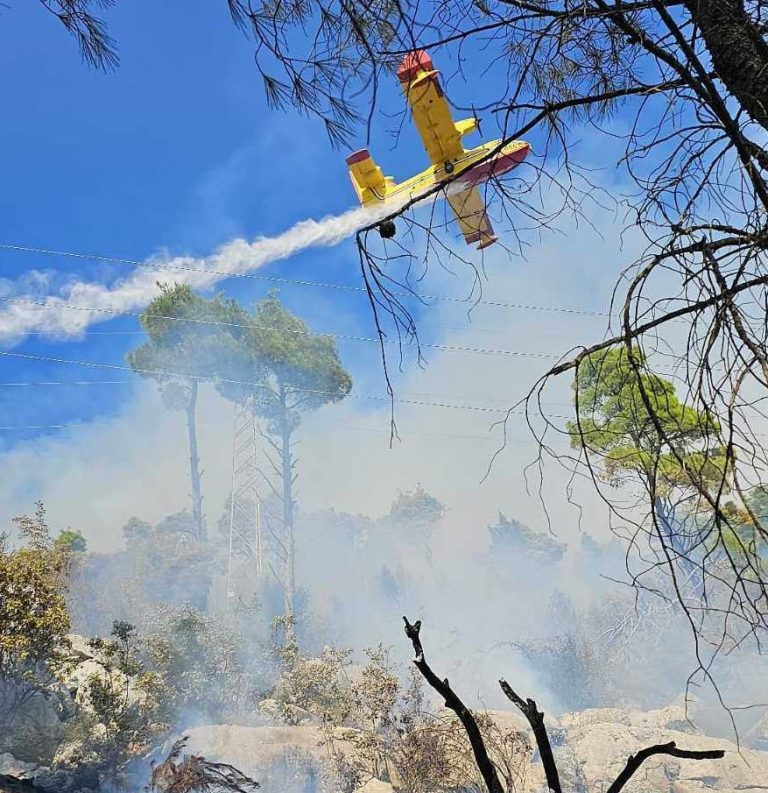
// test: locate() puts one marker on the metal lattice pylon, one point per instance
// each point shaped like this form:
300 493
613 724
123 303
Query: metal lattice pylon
245 534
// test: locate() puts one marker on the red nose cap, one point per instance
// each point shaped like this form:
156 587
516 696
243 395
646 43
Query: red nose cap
413 63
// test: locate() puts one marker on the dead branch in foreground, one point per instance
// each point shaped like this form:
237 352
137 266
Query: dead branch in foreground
535 718
636 760
195 774
452 701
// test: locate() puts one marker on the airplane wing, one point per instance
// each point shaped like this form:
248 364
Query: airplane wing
431 113
469 208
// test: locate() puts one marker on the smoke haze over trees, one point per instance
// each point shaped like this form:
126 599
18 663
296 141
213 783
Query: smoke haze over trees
685 79
288 620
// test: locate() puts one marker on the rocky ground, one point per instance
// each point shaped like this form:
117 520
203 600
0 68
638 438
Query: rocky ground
591 747
44 717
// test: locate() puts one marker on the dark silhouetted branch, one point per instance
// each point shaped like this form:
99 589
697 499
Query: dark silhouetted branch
195 774
636 760
535 718
452 701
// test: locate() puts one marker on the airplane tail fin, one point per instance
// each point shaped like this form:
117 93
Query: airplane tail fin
367 178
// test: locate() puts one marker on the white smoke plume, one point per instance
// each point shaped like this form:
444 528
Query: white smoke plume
57 315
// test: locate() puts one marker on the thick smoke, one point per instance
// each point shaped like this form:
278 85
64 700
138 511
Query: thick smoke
487 611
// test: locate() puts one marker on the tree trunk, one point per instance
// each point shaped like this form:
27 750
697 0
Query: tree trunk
194 463
679 545
738 50
289 576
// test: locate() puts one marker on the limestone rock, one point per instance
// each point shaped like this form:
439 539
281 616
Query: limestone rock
375 786
590 747
12 768
254 748
602 743
40 778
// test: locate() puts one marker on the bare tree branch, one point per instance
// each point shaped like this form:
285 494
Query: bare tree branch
452 701
635 761
535 717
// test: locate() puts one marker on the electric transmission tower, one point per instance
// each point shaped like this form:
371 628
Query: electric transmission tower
246 546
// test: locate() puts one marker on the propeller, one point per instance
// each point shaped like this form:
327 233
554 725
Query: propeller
477 121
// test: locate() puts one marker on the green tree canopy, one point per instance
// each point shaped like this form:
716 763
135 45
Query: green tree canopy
34 619
634 424
510 537
189 339
70 541
287 368
416 507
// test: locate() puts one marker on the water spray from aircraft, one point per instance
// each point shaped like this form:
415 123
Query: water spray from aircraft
57 315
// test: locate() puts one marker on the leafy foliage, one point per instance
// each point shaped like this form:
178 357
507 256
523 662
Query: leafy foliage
632 427
317 686
291 369
34 618
116 719
34 530
413 517
196 660
397 739
634 423
416 507
69 541
188 338
168 562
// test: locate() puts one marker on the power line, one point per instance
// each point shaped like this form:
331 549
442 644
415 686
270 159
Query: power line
32 383
64 383
453 328
203 378
452 348
298 282
19 428
376 430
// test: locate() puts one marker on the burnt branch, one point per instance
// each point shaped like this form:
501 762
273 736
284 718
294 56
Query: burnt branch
636 760
195 774
452 701
535 717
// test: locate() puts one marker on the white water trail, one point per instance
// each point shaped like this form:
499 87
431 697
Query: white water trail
80 304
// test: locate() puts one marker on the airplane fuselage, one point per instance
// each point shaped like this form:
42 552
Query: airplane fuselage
473 167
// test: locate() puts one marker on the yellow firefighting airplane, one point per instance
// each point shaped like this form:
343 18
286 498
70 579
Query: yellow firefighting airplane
442 140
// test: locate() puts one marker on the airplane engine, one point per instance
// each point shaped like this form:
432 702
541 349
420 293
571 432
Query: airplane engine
387 229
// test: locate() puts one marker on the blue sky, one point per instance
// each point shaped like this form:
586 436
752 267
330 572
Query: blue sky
177 151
